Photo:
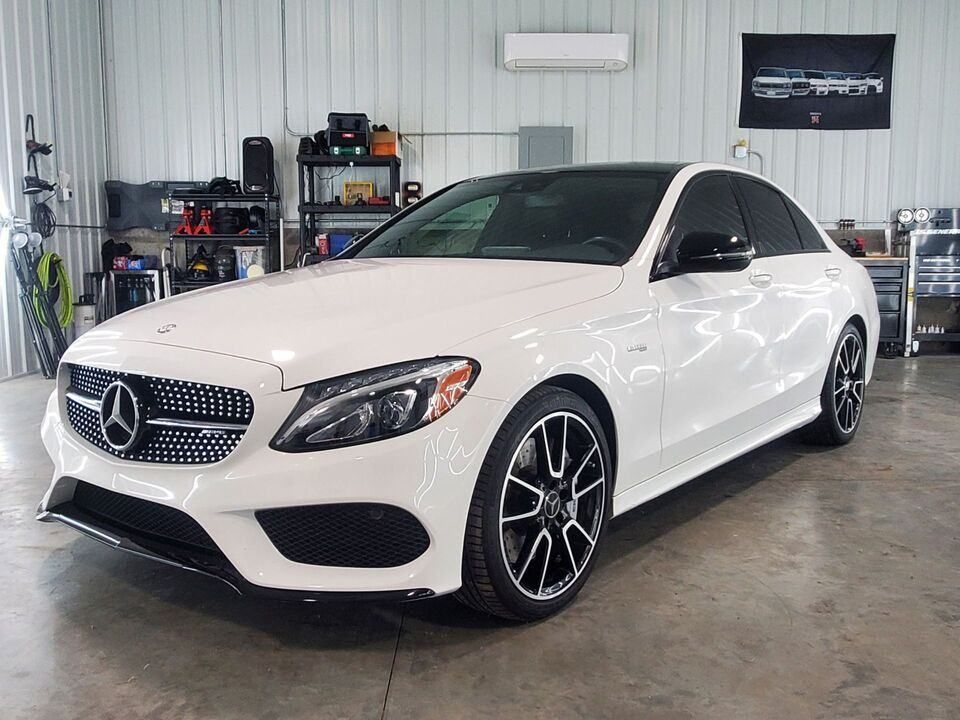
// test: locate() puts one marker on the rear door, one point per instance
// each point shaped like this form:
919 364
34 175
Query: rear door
806 283
719 333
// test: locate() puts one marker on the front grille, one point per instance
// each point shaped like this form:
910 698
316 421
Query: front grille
184 422
366 535
141 517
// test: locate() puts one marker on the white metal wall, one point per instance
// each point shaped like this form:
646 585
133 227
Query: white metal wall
50 70
181 95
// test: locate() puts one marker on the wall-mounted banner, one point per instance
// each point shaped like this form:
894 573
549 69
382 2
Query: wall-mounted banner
816 82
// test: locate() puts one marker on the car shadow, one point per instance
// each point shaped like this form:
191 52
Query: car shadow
97 577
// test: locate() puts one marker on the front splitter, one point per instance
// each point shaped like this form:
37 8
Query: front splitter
211 564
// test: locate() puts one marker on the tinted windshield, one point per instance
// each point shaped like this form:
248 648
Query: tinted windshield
854 76
584 216
814 74
772 72
835 76
872 76
795 73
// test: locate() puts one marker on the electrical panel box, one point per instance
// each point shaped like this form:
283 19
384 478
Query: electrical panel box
545 146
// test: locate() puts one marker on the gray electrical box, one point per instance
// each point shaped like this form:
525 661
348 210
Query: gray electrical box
542 146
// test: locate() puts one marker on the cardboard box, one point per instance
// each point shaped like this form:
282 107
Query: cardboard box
385 142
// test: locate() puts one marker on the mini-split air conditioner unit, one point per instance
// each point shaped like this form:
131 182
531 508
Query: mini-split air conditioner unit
566 51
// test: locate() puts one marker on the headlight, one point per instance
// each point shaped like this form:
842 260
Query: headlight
375 404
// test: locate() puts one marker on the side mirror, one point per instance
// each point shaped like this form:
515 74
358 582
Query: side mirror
712 252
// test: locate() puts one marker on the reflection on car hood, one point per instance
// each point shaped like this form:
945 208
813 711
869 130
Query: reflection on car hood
347 315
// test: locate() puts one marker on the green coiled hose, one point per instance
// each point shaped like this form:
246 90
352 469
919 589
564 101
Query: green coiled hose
57 280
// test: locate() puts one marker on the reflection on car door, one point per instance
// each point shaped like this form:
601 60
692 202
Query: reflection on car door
807 284
719 333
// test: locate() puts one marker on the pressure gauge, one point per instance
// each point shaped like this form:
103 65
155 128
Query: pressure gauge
905 216
921 215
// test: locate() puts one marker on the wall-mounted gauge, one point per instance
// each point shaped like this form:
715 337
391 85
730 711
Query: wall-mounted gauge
921 215
905 216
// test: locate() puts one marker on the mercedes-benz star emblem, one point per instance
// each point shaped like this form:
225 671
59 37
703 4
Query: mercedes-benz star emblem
551 504
120 416
164 329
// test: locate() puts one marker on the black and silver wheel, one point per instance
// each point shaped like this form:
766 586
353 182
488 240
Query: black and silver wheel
841 400
539 508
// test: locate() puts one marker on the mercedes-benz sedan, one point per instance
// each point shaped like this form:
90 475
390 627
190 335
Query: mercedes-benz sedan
461 400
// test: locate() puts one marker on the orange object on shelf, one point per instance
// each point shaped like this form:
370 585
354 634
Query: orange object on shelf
186 222
385 142
203 227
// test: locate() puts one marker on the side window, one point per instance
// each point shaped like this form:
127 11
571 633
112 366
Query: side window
776 233
708 205
809 237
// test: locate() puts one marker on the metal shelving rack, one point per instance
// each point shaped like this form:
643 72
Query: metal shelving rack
311 210
271 240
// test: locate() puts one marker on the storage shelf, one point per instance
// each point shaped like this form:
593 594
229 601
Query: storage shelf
236 239
937 337
194 284
318 209
349 160
217 197
316 217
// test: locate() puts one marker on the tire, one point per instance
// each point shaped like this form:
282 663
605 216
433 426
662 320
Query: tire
510 569
842 396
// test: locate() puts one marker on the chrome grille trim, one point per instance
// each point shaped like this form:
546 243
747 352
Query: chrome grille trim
197 424
92 403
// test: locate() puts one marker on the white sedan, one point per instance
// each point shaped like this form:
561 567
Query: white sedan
461 400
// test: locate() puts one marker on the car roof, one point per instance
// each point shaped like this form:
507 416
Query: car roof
668 168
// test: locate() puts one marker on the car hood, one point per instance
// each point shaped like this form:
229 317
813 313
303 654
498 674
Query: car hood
342 316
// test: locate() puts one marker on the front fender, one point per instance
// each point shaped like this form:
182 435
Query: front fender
617 351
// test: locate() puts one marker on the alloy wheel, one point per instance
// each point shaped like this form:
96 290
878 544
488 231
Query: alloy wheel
552 505
848 383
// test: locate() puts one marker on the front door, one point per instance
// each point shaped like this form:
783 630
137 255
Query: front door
719 332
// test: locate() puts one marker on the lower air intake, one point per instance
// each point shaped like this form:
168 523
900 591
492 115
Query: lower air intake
141 518
365 535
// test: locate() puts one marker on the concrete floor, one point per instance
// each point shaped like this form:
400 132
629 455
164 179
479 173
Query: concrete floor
792 583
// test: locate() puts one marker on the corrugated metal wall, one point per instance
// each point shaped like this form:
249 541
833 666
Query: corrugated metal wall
47 69
175 111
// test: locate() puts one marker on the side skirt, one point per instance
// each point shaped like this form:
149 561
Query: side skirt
696 466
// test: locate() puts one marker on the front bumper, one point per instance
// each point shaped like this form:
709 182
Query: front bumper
429 473
772 92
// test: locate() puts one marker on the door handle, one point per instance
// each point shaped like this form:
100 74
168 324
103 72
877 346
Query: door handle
833 272
761 280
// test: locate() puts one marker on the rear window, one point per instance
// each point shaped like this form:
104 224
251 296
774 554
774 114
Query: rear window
809 236
775 231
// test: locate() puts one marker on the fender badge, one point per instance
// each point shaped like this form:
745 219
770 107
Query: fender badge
164 329
639 347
